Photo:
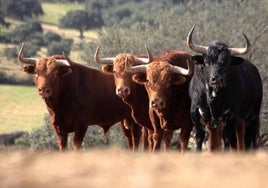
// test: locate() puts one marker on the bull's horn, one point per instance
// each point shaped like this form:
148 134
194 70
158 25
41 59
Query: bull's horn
135 69
104 61
30 61
182 71
145 60
241 51
195 47
64 62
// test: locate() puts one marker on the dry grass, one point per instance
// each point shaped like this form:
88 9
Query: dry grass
70 33
120 169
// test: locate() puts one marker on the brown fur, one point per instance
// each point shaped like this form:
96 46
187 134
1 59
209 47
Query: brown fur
162 85
77 96
137 99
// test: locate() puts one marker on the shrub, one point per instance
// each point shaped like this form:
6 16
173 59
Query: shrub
59 47
50 37
44 138
11 53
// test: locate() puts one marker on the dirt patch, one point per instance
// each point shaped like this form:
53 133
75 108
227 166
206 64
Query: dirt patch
119 168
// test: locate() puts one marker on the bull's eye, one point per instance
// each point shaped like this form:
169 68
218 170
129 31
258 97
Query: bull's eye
56 74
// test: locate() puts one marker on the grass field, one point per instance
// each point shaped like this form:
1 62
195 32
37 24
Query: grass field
54 11
50 20
21 108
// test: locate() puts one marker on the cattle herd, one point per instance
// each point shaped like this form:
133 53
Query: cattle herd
216 93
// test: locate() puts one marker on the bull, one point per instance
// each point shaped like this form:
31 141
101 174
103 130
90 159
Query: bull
226 95
130 92
166 80
77 96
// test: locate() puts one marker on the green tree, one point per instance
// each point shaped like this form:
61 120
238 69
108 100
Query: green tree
80 20
20 9
2 19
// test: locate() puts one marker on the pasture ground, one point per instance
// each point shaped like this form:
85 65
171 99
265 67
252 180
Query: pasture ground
121 169
21 108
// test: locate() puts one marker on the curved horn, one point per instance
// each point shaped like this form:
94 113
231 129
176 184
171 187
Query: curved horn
182 71
135 69
64 62
145 60
195 47
30 61
241 51
104 61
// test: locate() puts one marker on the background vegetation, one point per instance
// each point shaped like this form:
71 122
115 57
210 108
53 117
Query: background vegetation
127 26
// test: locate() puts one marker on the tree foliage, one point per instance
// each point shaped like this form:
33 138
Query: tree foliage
59 47
2 19
80 20
21 9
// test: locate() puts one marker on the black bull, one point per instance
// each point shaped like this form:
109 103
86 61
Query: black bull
226 95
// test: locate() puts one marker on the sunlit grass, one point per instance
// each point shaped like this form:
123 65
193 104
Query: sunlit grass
21 108
54 11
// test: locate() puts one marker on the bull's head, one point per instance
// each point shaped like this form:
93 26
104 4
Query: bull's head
47 71
158 77
123 79
213 65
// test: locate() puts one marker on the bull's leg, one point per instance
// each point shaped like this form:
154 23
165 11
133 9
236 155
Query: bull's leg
136 135
157 138
215 139
150 139
157 132
252 134
62 140
199 137
184 138
167 139
240 135
145 140
229 136
79 137
127 133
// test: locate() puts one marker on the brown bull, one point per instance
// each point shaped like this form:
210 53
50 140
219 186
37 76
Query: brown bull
166 80
77 96
131 93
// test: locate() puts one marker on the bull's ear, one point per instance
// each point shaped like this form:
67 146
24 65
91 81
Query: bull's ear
178 79
198 59
139 78
107 68
237 60
63 71
30 69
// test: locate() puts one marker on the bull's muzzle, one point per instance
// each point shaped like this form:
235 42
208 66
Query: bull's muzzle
217 81
157 104
44 92
123 91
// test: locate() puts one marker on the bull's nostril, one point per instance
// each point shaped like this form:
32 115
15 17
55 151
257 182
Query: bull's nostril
126 90
213 79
